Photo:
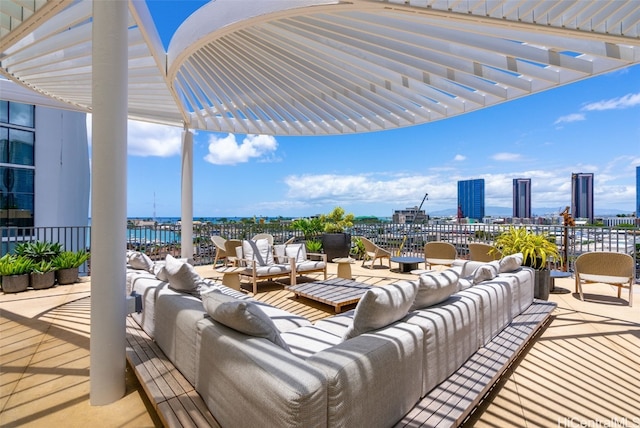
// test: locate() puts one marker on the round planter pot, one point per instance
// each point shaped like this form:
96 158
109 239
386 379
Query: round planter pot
15 283
67 276
336 245
542 284
41 281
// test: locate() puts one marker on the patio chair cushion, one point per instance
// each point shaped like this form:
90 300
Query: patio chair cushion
511 262
260 251
241 315
138 260
434 288
182 276
310 265
297 251
381 306
486 272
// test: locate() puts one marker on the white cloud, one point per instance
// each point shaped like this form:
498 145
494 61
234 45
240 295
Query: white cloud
509 157
227 151
459 158
574 117
627 101
148 139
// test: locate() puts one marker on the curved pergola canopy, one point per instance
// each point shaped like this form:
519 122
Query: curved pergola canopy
321 67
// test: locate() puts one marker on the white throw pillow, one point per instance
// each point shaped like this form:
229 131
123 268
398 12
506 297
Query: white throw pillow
486 272
297 251
138 260
241 315
259 250
434 288
381 306
511 262
160 272
181 275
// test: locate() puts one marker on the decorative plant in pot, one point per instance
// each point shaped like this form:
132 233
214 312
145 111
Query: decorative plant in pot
536 249
15 273
38 251
336 242
43 275
67 264
311 229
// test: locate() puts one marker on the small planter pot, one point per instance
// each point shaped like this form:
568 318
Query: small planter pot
67 276
542 284
15 283
40 281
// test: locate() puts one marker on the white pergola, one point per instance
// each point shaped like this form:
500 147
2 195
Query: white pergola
285 67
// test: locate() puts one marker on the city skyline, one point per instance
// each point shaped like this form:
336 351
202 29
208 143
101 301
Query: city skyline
590 125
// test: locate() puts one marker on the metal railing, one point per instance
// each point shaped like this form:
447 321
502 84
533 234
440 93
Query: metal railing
401 239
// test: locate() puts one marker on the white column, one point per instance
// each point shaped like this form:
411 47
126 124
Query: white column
108 205
186 220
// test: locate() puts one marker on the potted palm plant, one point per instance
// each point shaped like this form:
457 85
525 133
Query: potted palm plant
43 275
536 249
15 273
336 243
67 264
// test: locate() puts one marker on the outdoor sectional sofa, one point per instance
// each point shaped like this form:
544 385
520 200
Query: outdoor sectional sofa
256 365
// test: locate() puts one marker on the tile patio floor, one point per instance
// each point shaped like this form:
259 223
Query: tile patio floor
584 370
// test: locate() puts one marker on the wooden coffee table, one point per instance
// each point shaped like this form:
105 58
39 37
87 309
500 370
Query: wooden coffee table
336 292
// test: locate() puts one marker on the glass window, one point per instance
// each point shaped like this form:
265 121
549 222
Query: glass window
21 147
4 111
21 114
4 144
16 197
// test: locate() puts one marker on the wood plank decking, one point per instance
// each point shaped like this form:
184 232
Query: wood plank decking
451 402
174 398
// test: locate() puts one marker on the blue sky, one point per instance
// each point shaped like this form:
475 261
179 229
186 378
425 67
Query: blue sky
589 126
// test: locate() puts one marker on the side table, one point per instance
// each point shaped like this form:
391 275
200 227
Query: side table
558 274
231 276
344 267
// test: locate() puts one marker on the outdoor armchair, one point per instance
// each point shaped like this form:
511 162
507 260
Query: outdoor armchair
221 254
607 268
479 252
439 253
373 252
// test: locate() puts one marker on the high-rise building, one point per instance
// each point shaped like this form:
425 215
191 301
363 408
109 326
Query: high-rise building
582 195
44 162
471 198
522 198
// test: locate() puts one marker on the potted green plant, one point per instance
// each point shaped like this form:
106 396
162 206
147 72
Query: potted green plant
43 275
15 273
311 228
536 249
336 243
67 264
38 251
313 246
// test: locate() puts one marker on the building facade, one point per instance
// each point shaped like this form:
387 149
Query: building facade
582 196
471 199
44 163
522 198
409 215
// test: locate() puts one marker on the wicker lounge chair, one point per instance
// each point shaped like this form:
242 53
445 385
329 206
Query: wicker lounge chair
373 252
607 268
221 254
439 253
480 252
